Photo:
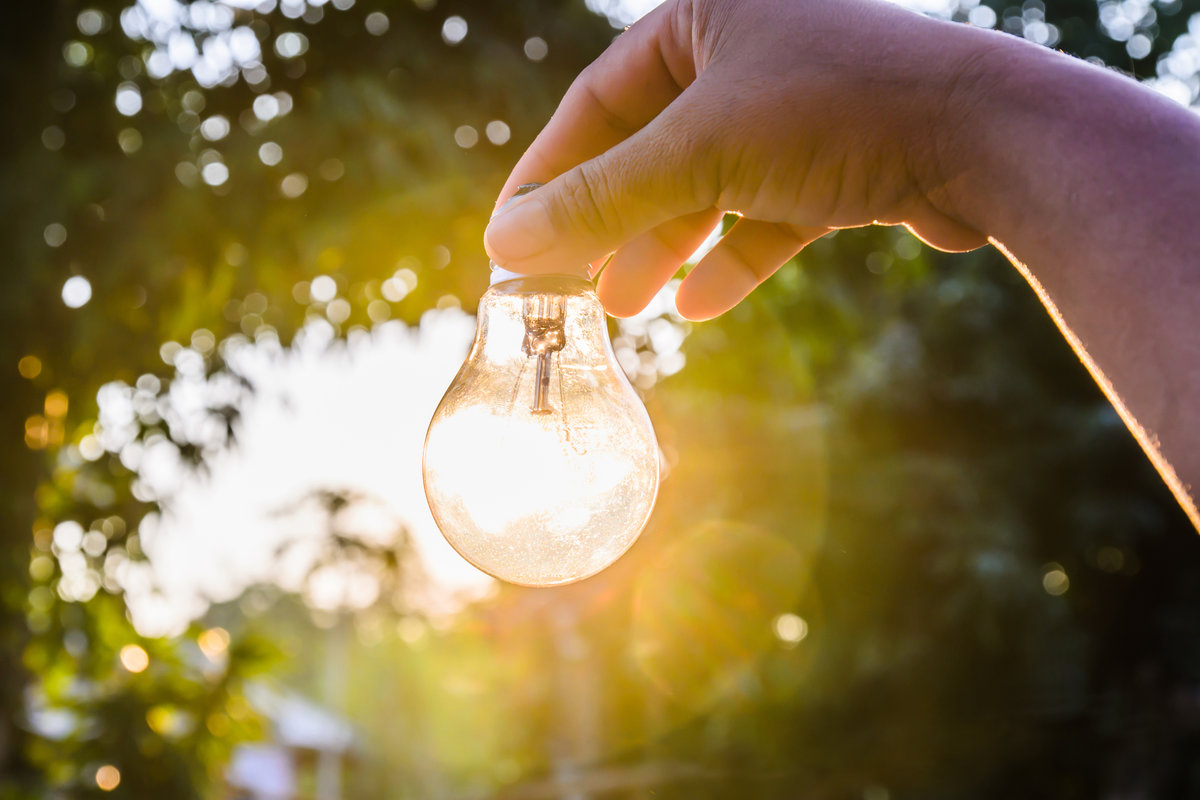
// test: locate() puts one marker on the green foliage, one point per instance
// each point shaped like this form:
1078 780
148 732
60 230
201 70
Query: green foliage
168 727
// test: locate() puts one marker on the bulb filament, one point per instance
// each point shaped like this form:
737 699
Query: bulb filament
545 335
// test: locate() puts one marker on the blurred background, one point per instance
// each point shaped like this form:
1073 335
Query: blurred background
903 547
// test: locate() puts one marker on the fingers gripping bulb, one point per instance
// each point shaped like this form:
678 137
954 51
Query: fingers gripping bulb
541 466
499 273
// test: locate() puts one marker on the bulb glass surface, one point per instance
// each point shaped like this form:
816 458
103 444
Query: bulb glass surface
541 466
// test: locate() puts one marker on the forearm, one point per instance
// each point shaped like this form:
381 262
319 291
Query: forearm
1091 184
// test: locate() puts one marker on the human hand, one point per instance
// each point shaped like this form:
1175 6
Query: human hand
799 115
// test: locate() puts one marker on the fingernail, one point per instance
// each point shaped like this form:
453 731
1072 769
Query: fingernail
519 231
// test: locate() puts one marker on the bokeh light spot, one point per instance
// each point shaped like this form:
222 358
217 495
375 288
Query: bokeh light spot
377 23
454 30
536 48
29 367
90 448
323 289
243 45
1055 580
266 107
168 351
108 778
982 16
77 54
379 311
213 643
56 404
270 153
94 543
466 137
338 311
790 629
294 185
129 99
215 173
134 658
167 720
41 568
193 100
76 291
203 341
1139 46
291 44
332 169
215 127
907 246
255 303
158 64
55 234
53 138
187 173
68 536
498 132
129 140
90 21
397 287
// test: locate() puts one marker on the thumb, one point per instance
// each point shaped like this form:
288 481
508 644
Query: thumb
591 210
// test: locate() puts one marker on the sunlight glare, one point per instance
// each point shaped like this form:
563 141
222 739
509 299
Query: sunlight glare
501 502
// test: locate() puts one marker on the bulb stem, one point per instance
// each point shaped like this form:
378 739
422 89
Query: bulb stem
545 335
541 386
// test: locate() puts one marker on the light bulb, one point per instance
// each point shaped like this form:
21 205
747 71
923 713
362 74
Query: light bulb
541 465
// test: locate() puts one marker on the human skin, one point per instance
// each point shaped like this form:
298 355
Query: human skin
802 116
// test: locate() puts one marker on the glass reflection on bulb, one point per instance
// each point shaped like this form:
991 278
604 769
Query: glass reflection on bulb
541 465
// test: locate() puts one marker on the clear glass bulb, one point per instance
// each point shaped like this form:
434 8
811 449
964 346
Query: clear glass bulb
541 465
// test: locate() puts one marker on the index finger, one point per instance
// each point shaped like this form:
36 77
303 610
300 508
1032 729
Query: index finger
638 76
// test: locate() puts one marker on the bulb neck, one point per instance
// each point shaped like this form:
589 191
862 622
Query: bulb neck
502 275
554 284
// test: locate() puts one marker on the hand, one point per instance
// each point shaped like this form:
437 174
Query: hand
798 115
806 115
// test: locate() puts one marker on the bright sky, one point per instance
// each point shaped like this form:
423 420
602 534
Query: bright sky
350 417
